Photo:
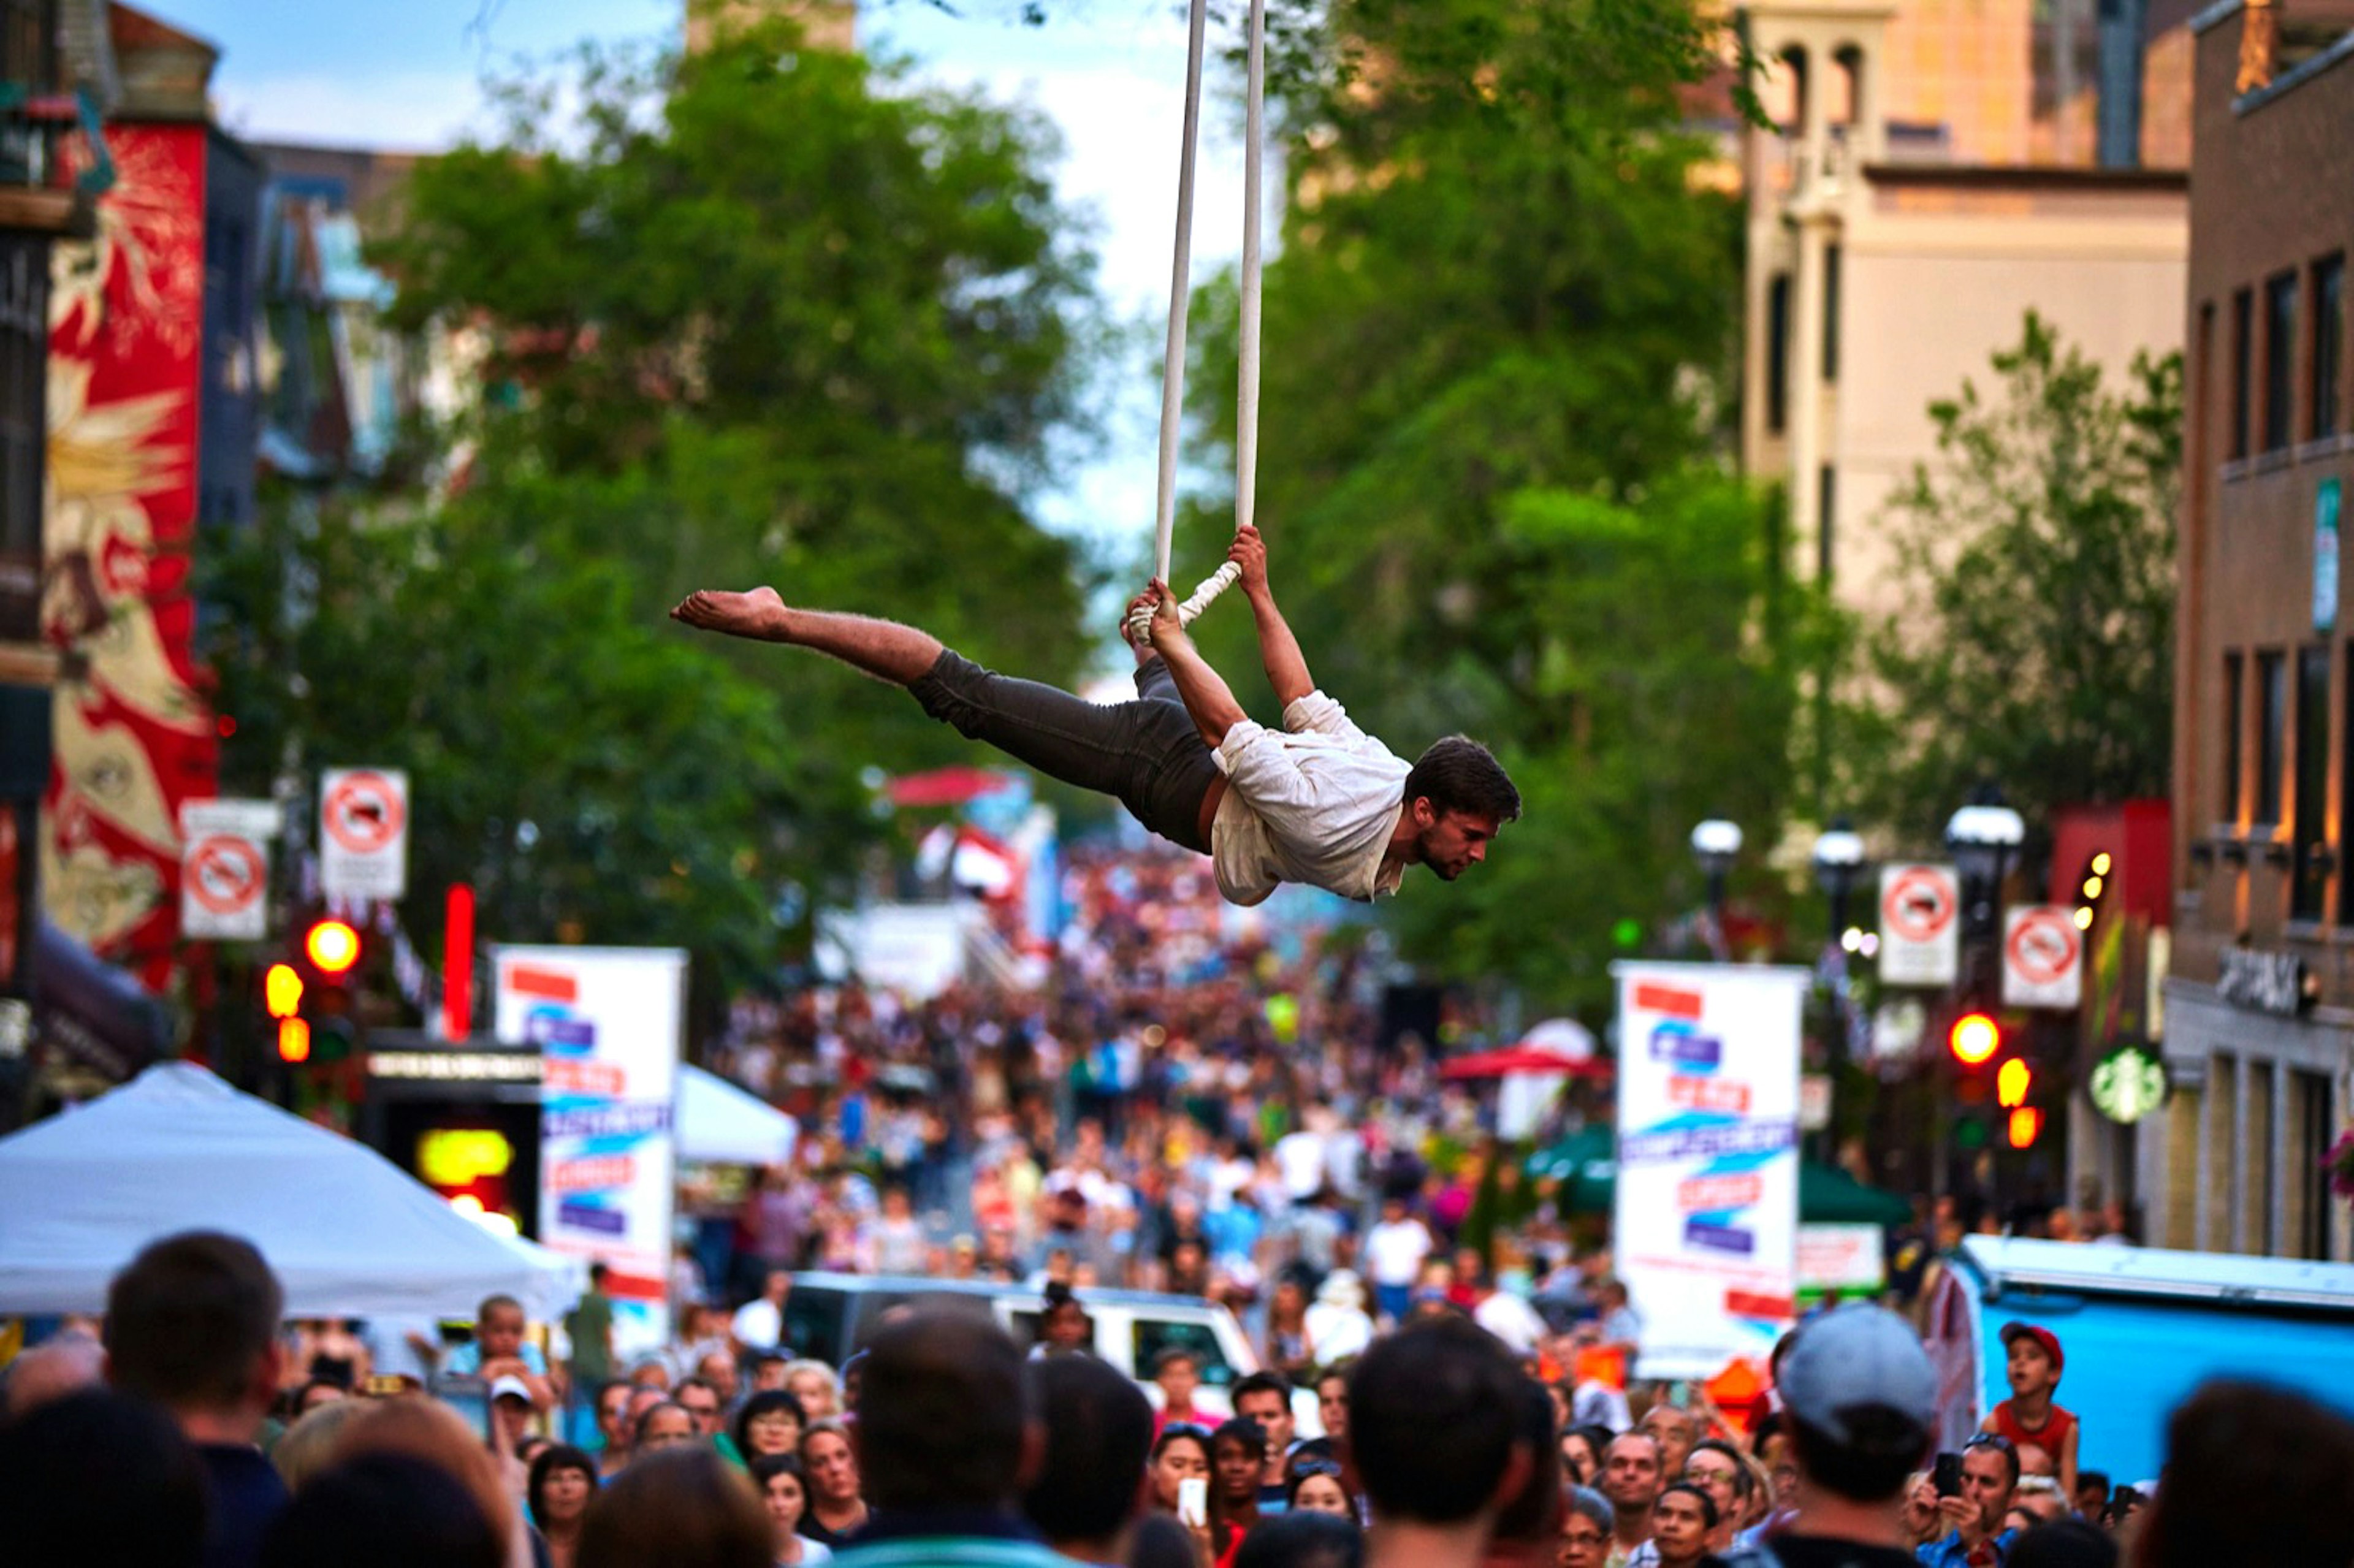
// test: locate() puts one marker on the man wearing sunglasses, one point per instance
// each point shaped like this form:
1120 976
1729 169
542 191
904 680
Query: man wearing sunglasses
1978 1539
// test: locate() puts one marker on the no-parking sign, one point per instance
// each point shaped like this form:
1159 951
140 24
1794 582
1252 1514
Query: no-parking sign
2042 957
224 868
1920 926
364 832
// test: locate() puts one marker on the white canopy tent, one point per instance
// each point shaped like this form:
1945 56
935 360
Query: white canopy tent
723 1125
347 1231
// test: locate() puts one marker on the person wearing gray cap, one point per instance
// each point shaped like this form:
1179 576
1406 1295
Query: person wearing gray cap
1860 1399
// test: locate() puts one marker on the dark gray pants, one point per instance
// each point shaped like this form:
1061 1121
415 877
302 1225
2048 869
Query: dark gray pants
1146 754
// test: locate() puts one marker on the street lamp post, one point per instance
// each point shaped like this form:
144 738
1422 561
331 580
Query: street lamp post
1982 837
1838 862
1716 844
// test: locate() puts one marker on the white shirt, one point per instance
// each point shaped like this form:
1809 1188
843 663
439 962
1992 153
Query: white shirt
1300 1156
1511 1320
1396 1251
1334 1331
758 1325
1314 803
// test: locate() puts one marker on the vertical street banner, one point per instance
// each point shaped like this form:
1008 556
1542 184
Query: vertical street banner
1707 1215
364 832
1920 925
225 867
609 1023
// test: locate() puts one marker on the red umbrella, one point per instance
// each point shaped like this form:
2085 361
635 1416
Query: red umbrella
947 786
1524 1058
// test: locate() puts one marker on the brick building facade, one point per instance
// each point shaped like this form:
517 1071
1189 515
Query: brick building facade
2259 1012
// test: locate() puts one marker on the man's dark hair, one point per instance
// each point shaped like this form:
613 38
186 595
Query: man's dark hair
942 1412
1882 1447
189 1321
1170 1355
1422 1420
1459 774
383 1511
2254 1474
494 1303
684 1505
596 1273
1099 1432
1273 1383
2063 1543
2002 1446
1694 1490
1302 1539
1534 1514
100 1476
2091 1479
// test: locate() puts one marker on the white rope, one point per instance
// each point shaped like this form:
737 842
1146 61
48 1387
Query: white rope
1172 371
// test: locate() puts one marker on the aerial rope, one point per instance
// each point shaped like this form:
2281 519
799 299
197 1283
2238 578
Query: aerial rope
1172 369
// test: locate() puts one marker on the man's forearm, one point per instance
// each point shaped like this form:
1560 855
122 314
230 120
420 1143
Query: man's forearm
1278 650
1205 691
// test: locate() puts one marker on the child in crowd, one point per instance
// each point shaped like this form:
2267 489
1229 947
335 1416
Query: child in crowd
2030 1415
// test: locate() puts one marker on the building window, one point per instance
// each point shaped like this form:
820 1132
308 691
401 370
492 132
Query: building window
2314 1129
1830 312
2272 720
2280 358
2234 713
2329 342
1777 353
2309 818
1825 512
2243 348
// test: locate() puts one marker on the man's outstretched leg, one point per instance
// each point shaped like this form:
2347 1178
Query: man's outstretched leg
1146 754
882 649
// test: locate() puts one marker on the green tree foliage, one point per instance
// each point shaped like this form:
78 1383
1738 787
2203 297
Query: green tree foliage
2035 556
772 316
1488 474
594 777
776 317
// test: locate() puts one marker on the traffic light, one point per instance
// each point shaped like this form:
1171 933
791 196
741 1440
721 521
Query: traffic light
2013 1081
332 947
281 993
2026 1121
1974 1038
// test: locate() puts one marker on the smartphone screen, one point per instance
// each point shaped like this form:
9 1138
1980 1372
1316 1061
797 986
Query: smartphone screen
1194 1500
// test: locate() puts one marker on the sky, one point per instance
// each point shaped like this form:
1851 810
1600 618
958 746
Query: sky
408 74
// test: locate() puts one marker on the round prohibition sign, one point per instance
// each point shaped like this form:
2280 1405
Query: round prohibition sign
224 873
2043 949
364 812
1920 902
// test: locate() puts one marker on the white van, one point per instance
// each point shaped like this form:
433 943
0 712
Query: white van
831 1316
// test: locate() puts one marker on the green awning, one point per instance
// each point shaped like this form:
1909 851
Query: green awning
1585 1164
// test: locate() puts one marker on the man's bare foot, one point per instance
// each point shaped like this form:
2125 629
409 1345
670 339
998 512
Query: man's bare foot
758 614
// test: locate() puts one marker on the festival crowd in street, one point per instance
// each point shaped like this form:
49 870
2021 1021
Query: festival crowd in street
1444 1351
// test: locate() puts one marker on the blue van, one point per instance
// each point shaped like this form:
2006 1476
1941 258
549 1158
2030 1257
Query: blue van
2139 1328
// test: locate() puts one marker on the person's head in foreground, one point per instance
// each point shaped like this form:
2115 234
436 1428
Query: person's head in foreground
945 1419
1423 1428
2254 1474
1099 1436
1860 1400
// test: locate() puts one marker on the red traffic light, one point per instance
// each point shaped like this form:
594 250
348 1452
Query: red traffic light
1973 1039
333 947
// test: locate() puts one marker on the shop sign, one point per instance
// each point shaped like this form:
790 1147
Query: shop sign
2264 982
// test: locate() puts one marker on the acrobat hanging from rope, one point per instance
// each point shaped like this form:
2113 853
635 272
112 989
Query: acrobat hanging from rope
1318 802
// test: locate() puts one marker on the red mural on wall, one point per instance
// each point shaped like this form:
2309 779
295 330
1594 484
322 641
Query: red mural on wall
133 732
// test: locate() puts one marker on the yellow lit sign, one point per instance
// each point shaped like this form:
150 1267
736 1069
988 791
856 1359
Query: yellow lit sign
293 1040
1974 1038
333 946
461 1156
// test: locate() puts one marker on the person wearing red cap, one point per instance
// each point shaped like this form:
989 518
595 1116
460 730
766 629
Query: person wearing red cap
2029 1414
